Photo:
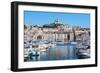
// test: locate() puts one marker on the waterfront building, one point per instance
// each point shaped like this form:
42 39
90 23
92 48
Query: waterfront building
55 31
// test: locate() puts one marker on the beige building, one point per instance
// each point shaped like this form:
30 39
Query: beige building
59 33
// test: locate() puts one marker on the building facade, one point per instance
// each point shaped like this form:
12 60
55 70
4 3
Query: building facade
59 32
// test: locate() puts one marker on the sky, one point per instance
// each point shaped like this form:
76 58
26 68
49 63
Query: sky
41 18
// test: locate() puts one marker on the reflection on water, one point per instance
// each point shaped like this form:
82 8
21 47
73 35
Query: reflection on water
59 52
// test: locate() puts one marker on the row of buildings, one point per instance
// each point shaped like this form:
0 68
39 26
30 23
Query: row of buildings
56 31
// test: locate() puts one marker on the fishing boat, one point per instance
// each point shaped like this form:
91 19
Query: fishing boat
44 46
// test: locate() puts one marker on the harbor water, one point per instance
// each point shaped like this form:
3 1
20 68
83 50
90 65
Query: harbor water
58 52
